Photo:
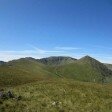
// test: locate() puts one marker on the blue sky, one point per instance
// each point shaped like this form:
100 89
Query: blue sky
42 28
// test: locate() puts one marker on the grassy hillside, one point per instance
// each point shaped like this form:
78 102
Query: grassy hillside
60 96
27 70
22 71
53 87
85 69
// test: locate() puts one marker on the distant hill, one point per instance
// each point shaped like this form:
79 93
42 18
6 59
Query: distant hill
28 69
84 69
59 60
109 66
2 62
21 71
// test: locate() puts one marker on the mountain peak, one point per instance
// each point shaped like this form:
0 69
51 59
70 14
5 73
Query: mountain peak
88 59
57 60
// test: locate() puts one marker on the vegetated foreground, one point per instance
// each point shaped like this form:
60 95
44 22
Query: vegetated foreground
59 95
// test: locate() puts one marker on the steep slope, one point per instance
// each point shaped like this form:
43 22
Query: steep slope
84 69
22 71
55 61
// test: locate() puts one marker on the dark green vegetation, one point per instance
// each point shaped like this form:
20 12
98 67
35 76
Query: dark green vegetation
60 96
26 70
56 84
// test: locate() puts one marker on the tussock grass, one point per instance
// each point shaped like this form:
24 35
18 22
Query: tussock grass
60 95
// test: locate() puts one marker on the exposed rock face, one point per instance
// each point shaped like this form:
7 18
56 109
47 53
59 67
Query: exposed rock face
59 60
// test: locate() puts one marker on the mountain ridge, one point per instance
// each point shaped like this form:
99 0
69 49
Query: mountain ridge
57 60
29 69
85 69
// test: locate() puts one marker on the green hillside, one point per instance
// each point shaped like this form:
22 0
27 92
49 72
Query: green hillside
22 71
59 96
26 70
85 69
56 87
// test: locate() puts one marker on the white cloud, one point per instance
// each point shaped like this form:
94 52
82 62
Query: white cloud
58 51
67 48
10 55
35 53
41 51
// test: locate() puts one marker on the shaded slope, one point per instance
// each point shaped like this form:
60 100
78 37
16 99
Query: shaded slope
2 62
22 71
109 66
84 69
57 60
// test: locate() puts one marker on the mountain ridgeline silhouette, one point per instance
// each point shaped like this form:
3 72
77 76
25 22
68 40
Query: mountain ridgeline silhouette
28 69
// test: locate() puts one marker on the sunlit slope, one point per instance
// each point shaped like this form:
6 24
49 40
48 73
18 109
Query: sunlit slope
22 71
60 96
84 69
26 70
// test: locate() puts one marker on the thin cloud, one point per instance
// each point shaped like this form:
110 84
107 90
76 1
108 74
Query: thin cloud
10 55
67 48
41 51
35 53
38 53
102 47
